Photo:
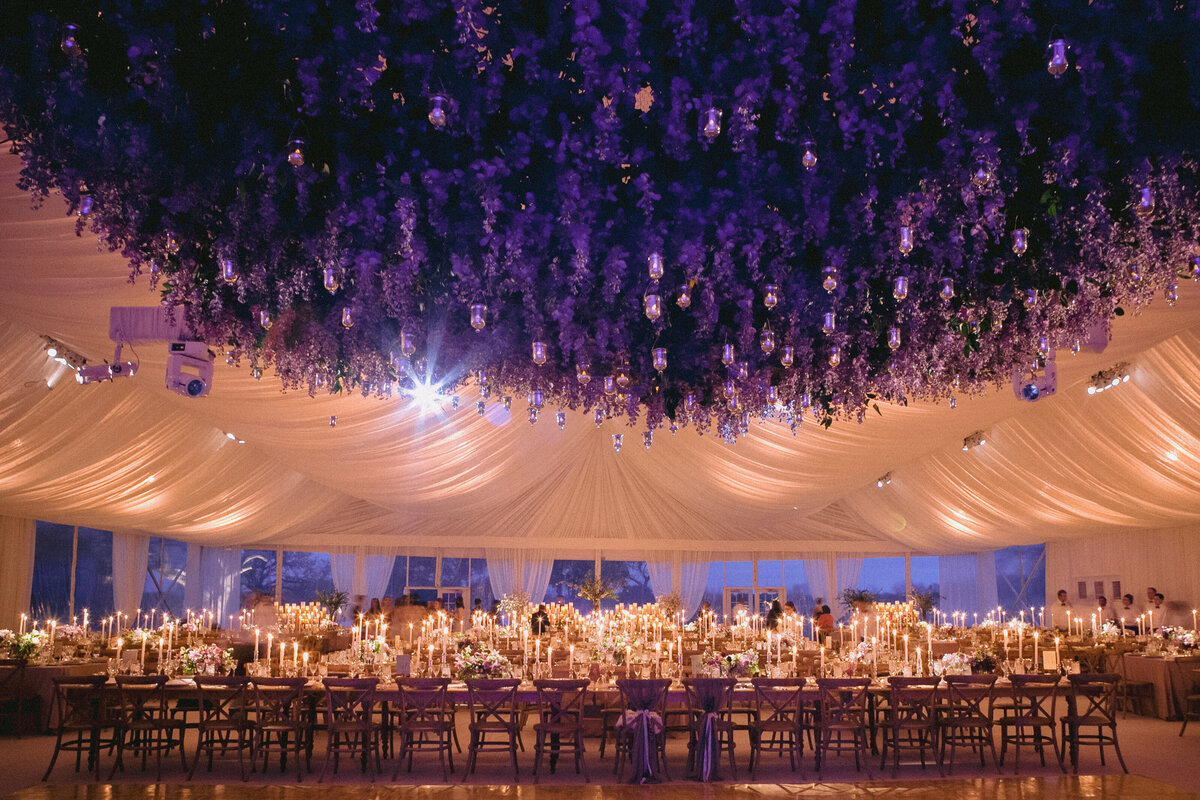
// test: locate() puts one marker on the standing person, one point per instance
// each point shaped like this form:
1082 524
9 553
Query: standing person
1163 618
539 623
1107 613
1060 611
774 614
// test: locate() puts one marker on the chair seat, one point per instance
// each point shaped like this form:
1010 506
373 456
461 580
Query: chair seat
1092 720
1025 722
499 727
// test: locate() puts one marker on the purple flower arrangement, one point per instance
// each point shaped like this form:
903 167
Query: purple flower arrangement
481 662
684 213
731 665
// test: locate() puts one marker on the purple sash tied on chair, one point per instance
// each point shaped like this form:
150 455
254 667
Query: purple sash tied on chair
709 749
645 725
708 696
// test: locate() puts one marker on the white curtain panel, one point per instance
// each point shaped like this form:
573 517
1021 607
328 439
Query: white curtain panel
848 570
957 584
1166 560
538 564
342 567
17 540
130 553
503 566
693 576
987 588
376 572
816 573
214 580
661 576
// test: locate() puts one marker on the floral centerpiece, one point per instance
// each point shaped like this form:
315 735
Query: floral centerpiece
68 632
670 605
953 664
983 660
732 665
332 602
23 646
515 605
1109 631
1180 637
612 647
207 659
375 650
481 662
595 589
860 652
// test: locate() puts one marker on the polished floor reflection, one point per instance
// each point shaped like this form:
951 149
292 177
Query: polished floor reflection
1099 787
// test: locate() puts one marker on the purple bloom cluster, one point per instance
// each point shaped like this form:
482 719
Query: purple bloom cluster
481 662
328 189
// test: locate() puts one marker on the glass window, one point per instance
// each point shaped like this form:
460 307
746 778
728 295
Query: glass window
93 574
165 576
566 574
884 578
1021 577
397 582
739 573
481 587
632 579
454 571
797 587
715 586
258 572
51 595
422 572
305 574
770 573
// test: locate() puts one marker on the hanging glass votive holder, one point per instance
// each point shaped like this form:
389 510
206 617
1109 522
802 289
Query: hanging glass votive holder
835 355
689 402
652 304
906 240
347 318
1043 345
743 370
535 398
437 111
684 298
296 155
730 389
808 159
981 174
1031 299
766 340
330 279
829 279
727 354
264 319
622 374
70 40
712 124
659 358
772 395
1145 206
1172 294
1135 272
947 291
533 415
561 419
771 295
172 244
598 417
610 385
829 325
893 338
1020 241
1195 268
655 265
618 440
647 439
787 355
1057 65
583 373
407 345
539 353
229 273
478 316
900 287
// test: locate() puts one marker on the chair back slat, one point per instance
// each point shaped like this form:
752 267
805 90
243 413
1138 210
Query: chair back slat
561 700
350 700
493 700
777 699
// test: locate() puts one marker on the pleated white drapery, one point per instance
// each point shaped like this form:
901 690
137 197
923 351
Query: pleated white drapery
17 540
376 572
342 567
967 583
693 576
848 570
529 570
130 554
662 577
816 573
361 574
219 588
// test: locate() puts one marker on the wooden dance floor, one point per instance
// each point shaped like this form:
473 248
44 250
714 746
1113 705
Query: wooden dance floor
1124 787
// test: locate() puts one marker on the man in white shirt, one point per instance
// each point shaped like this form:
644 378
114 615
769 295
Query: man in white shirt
1107 612
1060 611
1162 615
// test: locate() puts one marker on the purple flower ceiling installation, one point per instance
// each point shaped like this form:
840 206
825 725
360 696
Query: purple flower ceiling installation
683 213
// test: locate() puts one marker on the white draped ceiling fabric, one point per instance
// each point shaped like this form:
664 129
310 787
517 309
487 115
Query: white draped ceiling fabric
391 477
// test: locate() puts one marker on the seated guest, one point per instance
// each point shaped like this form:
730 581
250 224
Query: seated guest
539 623
495 612
375 610
1060 611
1149 604
477 607
774 614
824 620
386 608
789 607
1128 611
1107 613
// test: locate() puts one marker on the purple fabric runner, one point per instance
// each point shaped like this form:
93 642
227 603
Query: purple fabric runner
642 715
708 696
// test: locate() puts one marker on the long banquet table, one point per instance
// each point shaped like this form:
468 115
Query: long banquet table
1171 676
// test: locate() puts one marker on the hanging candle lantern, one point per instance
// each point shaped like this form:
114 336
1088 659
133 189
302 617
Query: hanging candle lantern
652 304
1145 206
618 440
974 325
1031 298
172 244
659 358
900 288
1076 347
332 417
480 407
535 398
295 155
264 319
1058 58
598 416
330 279
506 401
478 316
771 295
1135 273
830 323
689 402
407 345
772 395
1043 345
684 298
829 283
583 373
561 419
647 439
1172 294
730 389
947 291
1195 270
766 340
1020 241
229 273
712 124
732 403
70 40
953 402
835 355
623 375
981 174
906 240
893 338
743 371
727 355
533 415
539 353
655 264
787 355
955 383
809 158
86 201
610 385
483 378
437 111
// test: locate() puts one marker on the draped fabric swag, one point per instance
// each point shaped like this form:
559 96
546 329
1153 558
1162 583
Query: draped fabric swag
18 538
130 554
